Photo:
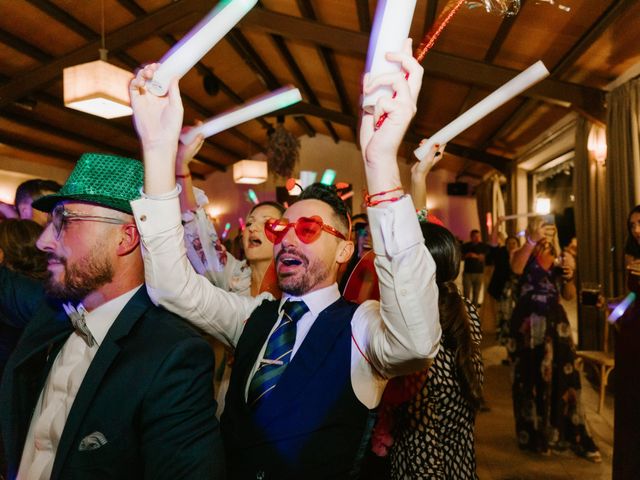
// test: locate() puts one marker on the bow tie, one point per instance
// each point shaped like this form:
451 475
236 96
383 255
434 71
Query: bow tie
79 323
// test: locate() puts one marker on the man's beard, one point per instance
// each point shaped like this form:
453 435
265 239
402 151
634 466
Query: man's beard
315 272
81 277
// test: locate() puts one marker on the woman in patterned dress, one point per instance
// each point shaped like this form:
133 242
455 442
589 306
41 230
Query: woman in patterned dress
546 385
428 417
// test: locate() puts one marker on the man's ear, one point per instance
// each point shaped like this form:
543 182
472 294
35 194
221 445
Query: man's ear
1 256
345 251
129 239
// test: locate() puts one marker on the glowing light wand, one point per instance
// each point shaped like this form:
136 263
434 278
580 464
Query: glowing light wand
621 308
281 98
502 95
195 44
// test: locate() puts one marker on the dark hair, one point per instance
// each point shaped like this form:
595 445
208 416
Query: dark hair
34 189
454 318
329 195
18 243
632 247
267 203
475 230
360 216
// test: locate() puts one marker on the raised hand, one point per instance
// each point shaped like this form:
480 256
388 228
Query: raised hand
380 145
158 121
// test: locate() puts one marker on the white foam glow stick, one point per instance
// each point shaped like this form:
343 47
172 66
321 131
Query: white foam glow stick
200 39
502 95
622 307
389 31
281 98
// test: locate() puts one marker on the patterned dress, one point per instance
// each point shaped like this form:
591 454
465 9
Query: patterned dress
546 385
434 436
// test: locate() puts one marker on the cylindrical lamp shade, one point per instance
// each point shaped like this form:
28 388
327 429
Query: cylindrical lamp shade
98 88
250 171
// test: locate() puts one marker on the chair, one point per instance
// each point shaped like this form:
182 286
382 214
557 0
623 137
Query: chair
602 361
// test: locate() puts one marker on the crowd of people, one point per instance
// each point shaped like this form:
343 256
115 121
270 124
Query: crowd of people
109 282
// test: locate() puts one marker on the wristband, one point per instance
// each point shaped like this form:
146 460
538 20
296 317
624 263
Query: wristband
188 175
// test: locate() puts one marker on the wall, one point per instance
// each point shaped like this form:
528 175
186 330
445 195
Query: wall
459 214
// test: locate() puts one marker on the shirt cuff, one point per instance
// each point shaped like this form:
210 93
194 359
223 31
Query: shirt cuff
163 196
156 216
394 227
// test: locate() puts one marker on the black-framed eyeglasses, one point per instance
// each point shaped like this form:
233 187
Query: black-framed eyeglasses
60 216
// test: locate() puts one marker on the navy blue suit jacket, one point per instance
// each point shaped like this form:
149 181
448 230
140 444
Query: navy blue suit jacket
148 391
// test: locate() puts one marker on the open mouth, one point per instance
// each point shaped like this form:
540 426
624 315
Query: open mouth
288 263
254 242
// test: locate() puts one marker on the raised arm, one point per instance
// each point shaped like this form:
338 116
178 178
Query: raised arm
536 232
171 280
419 172
401 333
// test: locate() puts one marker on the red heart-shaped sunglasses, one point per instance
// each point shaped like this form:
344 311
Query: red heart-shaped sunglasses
307 229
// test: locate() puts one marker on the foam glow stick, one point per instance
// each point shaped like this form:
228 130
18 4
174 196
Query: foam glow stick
389 31
195 44
253 197
225 232
621 308
328 177
502 95
281 98
241 222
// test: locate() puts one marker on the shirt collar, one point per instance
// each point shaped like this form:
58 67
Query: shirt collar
99 320
317 300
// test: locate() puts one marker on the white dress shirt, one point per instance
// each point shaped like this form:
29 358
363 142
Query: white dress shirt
396 336
60 390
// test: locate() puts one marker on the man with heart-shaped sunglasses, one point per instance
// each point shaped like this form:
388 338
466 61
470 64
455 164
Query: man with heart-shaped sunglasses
311 367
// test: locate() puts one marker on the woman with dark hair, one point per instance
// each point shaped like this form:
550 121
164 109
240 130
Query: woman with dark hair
546 384
18 253
427 419
248 276
632 250
626 440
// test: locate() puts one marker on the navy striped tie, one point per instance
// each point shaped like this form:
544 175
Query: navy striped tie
277 354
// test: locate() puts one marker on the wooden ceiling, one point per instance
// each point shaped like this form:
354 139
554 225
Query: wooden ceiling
320 47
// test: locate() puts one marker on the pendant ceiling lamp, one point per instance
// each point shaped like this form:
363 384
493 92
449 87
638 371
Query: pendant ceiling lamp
98 88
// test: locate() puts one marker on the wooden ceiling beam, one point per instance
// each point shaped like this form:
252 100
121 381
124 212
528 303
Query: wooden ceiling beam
364 16
130 34
244 49
492 52
590 36
63 17
24 48
328 59
458 69
499 163
301 80
29 146
26 121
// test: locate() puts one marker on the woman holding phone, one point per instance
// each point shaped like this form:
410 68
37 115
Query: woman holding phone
546 384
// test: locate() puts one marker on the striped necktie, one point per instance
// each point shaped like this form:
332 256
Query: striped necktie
277 354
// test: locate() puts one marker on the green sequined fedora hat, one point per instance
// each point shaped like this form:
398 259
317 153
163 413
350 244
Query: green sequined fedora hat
107 180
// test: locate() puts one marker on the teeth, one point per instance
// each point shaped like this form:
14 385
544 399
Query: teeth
290 261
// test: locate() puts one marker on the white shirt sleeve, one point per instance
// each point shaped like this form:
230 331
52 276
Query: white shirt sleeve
171 281
401 333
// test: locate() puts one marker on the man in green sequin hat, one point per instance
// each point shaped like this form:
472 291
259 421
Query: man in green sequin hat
103 383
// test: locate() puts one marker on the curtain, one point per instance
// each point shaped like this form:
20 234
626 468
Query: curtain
623 173
489 199
589 187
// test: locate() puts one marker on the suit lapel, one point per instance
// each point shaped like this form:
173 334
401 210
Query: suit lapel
307 360
106 354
